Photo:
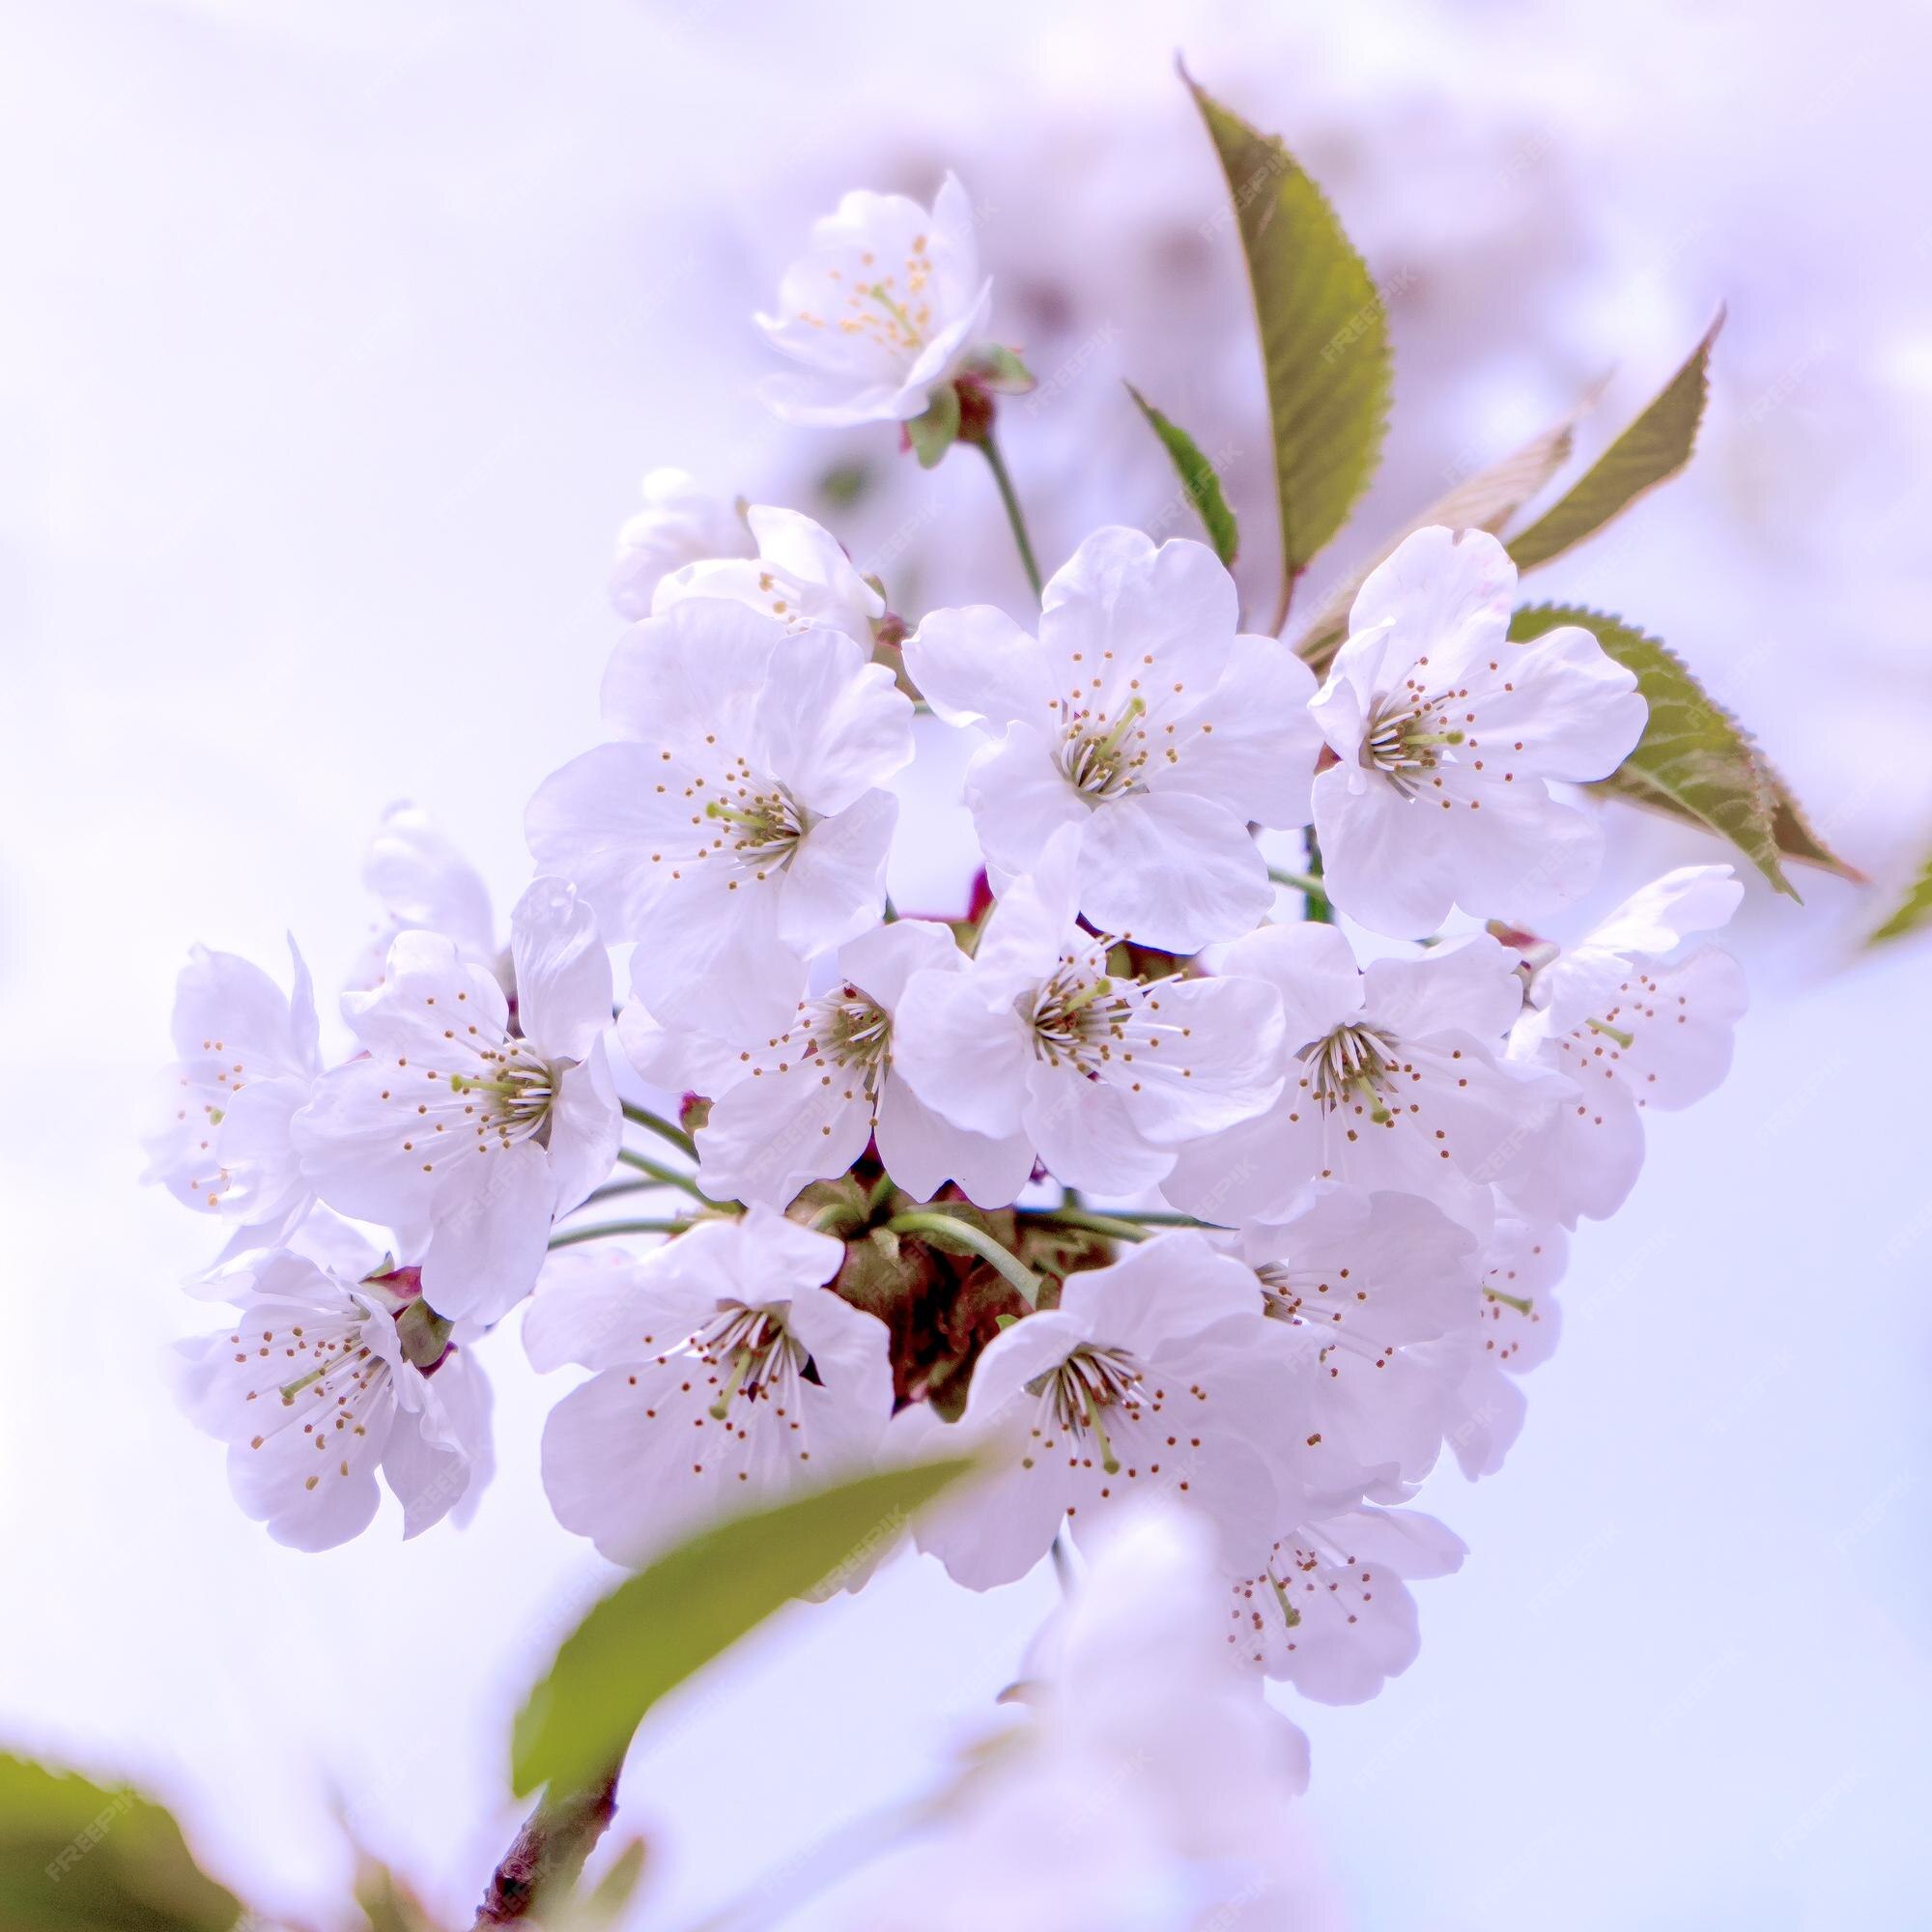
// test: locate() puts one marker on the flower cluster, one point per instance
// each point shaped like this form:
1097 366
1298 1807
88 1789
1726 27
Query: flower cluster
1140 1175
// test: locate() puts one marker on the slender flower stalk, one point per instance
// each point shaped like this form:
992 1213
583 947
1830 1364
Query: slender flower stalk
942 1227
642 1116
1015 516
604 1230
663 1177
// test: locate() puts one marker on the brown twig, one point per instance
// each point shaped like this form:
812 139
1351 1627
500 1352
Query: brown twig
548 1852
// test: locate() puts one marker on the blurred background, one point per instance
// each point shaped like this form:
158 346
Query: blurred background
336 339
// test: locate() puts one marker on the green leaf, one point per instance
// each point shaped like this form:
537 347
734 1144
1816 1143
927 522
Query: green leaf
1197 478
934 433
1694 759
1793 831
1325 337
654 1630
996 368
1484 501
1654 447
78 1856
1912 913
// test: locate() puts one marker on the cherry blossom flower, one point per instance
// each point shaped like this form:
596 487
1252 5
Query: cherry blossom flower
800 1105
735 828
1447 736
1103 1075
246 1056
886 307
1160 1374
1518 1333
424 883
681 524
1361 1280
1634 1027
1140 1778
468 1136
727 1373
321 1381
801 576
1142 717
1331 1612
1401 1083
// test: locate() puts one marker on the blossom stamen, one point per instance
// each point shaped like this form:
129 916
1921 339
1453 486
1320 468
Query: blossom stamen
1352 1059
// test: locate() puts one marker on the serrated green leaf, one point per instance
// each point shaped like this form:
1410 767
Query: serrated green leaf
1694 759
79 1857
1654 447
1197 477
1796 838
1484 501
1913 913
934 433
1325 337
657 1628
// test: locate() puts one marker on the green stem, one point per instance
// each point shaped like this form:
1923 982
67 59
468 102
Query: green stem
1110 1225
664 1176
642 1116
613 1188
605 1229
997 464
1297 881
1319 909
950 1227
1135 1218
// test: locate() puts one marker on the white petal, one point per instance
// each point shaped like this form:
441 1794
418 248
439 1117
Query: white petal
835 887
921 1151
1086 1133
1019 798
1198 1055
975 666
563 973
965 1058
797 1117
1386 859
1577 712
1258 751
1171 870
585 1127
1443 593
490 1225
1313 971
830 726
712 958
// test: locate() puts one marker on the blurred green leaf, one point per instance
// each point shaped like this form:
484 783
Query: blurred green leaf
1325 337
934 433
1484 501
1914 911
1197 478
1695 759
999 369
1654 447
79 1857
655 1628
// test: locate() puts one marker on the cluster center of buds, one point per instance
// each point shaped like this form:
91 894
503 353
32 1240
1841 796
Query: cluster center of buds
757 1352
516 1093
1353 1063
1079 1392
1102 765
1404 737
1077 1017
